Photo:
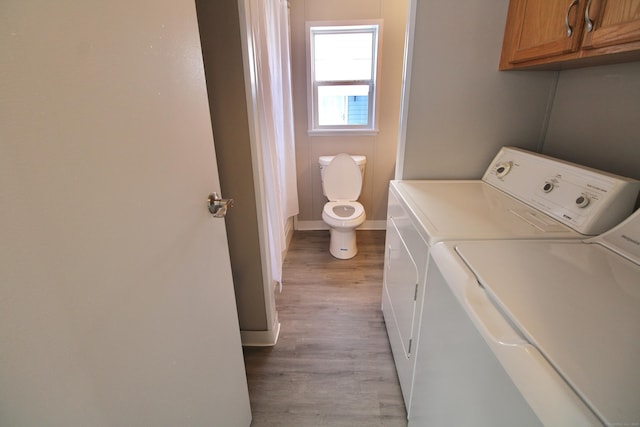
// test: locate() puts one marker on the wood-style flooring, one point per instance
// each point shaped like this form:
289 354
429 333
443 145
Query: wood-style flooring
332 365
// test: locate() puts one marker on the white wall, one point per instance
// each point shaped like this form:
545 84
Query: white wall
379 149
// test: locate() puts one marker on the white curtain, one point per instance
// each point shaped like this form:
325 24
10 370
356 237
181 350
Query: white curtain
269 22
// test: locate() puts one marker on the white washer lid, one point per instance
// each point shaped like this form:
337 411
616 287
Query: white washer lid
579 304
473 210
342 179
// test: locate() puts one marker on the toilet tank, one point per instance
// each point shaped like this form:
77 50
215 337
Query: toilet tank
325 160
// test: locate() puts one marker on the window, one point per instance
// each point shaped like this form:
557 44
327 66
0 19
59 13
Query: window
342 65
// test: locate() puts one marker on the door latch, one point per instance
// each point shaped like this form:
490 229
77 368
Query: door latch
218 206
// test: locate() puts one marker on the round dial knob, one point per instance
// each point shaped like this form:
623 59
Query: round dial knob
503 168
547 187
582 201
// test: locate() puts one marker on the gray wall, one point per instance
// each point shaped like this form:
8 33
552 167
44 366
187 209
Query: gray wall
595 118
461 109
221 47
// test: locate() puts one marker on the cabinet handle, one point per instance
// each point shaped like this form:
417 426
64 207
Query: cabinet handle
587 21
566 18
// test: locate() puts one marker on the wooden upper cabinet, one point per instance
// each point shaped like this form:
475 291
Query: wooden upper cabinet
615 22
544 28
556 34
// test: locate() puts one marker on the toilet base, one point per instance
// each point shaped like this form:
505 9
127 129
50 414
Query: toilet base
343 243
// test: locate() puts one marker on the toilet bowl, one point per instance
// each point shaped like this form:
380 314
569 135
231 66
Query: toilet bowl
342 182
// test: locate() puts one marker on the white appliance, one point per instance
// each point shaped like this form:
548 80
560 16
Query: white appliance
522 195
531 332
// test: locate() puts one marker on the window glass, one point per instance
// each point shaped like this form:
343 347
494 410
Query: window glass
343 63
343 56
343 105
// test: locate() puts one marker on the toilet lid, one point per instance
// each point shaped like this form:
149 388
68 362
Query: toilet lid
342 179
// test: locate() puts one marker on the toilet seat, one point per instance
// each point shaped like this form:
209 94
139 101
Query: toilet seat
355 212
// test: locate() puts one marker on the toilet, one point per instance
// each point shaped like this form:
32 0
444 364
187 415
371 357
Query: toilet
342 177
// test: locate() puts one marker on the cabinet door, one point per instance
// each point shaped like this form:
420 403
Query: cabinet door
614 22
543 28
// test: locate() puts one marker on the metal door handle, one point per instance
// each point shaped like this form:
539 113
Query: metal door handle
566 19
587 21
218 206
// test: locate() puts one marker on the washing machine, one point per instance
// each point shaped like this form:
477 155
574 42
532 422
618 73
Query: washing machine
531 333
522 195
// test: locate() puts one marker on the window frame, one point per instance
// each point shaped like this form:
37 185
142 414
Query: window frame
343 27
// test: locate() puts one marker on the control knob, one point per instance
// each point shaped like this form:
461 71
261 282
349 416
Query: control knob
503 168
582 201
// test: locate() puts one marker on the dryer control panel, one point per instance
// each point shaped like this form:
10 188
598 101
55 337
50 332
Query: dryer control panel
588 200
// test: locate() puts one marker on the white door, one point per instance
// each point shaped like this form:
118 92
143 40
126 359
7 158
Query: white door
116 297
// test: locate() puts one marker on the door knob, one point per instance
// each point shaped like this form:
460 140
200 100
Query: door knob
218 206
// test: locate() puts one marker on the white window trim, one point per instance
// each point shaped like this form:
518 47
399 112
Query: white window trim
312 86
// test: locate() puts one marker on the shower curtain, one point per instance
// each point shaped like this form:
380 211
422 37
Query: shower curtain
269 22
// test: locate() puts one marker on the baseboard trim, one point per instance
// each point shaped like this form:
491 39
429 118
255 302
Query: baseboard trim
380 224
260 338
288 232
320 225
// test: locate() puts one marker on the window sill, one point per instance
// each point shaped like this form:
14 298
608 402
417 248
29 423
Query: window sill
343 132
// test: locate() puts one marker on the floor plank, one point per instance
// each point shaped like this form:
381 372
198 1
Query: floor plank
332 365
